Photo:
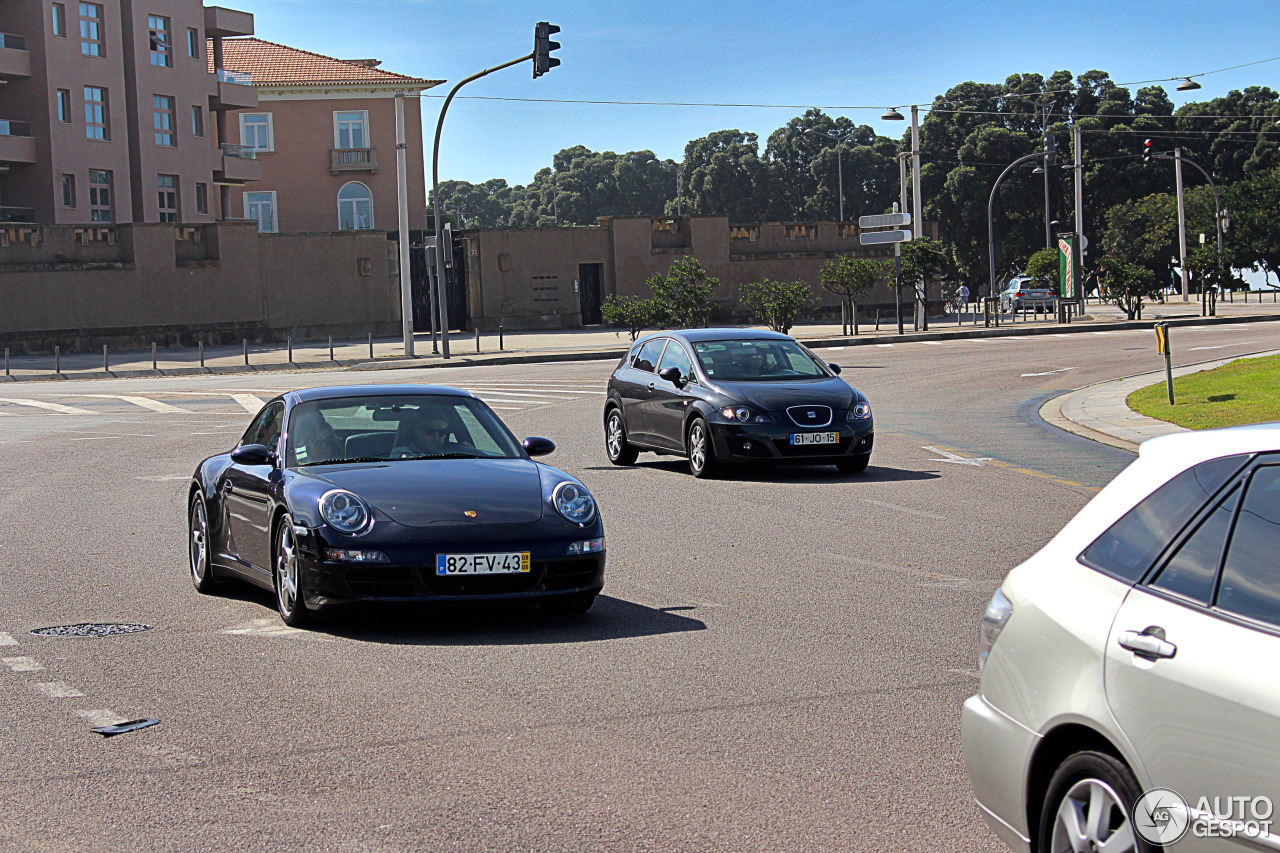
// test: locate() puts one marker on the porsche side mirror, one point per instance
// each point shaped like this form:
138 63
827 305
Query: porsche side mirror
251 454
535 446
672 375
835 368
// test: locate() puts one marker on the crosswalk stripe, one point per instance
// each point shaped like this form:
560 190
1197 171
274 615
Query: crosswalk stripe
53 407
144 402
884 346
513 388
479 392
250 403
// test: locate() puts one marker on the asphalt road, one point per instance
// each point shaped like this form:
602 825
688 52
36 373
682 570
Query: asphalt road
777 663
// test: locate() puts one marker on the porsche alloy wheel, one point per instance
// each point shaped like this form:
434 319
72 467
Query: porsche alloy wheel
615 440
289 599
201 572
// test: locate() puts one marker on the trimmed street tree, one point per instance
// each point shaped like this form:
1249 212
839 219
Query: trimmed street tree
1044 266
849 278
923 259
683 293
1127 285
630 312
777 303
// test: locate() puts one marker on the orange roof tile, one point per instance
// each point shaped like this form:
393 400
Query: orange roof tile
272 64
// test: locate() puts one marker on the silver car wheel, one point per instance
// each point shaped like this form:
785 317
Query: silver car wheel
1092 819
199 542
613 438
697 447
286 571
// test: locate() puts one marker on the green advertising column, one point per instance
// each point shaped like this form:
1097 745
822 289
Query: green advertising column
1068 268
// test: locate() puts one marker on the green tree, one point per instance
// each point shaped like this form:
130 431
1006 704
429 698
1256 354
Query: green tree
629 312
1044 266
1128 285
683 293
1254 237
777 303
849 278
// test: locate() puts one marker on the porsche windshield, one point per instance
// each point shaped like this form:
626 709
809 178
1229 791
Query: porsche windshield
384 429
756 361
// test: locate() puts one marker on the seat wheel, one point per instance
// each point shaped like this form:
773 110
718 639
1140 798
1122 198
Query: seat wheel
701 450
615 440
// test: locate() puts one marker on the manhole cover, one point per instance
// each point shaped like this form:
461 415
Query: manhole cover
91 629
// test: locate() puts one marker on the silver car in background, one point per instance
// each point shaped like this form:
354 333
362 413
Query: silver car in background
1138 650
1027 294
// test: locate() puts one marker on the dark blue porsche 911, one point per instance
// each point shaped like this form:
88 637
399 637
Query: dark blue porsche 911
392 493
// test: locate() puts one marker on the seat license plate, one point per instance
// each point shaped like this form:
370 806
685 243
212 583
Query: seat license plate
815 438
482 564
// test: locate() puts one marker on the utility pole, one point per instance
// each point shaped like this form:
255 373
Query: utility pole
402 199
917 216
1077 143
1182 223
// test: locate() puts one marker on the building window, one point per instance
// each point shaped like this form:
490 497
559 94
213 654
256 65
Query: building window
161 49
256 131
68 190
60 20
162 118
350 130
261 208
202 198
197 122
91 30
95 113
355 207
168 186
195 45
64 105
99 195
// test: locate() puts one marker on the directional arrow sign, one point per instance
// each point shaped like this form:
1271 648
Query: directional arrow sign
871 238
884 220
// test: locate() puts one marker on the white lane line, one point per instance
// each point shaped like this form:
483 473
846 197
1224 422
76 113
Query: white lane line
7 639
153 405
906 509
1222 346
101 717
58 690
22 664
512 389
53 407
507 408
884 346
273 628
495 399
112 437
503 392
250 403
835 349
1050 372
164 478
948 456
1099 333
932 343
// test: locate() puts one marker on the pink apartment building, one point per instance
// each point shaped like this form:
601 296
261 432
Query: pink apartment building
325 134
113 111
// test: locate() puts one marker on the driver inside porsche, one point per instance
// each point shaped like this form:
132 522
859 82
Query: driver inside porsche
314 439
423 434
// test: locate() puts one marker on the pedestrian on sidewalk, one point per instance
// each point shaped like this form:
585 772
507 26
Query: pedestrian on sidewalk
963 293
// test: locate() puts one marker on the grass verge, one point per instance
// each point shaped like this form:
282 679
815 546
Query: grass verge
1246 391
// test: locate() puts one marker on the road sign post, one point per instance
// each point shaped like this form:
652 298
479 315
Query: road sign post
897 236
1162 348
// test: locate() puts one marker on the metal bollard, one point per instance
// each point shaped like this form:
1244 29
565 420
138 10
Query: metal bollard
6 361
202 353
153 356
57 359
477 340
855 318
331 348
371 345
246 351
877 319
500 338
105 365
290 349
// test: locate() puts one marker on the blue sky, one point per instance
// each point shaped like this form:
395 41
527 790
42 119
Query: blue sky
855 53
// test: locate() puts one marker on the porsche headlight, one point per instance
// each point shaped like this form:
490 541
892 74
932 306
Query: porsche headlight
345 512
860 411
574 503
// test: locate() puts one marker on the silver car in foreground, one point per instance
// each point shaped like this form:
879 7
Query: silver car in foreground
1129 696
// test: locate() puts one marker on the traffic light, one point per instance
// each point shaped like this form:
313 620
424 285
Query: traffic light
543 61
446 245
1146 151
1050 149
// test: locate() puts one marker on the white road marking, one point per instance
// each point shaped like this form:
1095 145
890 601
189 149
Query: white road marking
495 399
932 343
22 664
1099 333
503 392
53 407
1222 346
7 639
153 405
835 349
272 628
164 478
1051 372
905 509
111 437
58 690
101 717
250 403
884 346
509 389
948 456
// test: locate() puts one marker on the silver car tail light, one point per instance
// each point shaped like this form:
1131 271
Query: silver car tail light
994 618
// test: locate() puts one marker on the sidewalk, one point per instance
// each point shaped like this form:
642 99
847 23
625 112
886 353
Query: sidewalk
596 343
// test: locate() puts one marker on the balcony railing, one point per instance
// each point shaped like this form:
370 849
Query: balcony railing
241 152
353 160
13 42
14 128
17 214
244 78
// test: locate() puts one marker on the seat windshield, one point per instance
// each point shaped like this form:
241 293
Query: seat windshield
396 427
757 361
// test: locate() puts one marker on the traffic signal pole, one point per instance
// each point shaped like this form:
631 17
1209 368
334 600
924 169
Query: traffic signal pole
1182 224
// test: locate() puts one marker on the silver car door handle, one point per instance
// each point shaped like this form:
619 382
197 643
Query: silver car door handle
650 386
1147 645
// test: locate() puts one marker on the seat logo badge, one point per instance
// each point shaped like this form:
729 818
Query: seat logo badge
813 415
470 513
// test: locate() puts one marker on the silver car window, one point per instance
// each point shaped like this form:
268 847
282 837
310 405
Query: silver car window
647 358
1193 569
1251 574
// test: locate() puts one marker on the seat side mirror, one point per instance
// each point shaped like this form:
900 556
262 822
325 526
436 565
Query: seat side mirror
537 446
835 368
672 375
251 454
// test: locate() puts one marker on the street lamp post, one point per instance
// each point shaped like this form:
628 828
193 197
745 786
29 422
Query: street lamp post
1219 216
840 140
991 201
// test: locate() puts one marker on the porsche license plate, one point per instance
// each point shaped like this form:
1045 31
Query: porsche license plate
482 564
815 438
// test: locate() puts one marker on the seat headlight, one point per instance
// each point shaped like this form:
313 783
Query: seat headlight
860 411
345 512
743 414
574 503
